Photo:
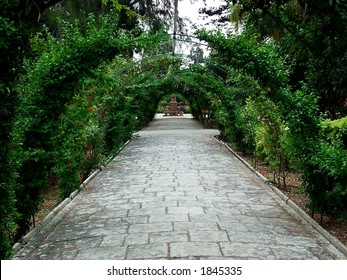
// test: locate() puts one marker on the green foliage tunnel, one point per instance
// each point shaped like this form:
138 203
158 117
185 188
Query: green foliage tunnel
82 95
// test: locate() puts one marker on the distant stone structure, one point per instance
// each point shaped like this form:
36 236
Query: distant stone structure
173 106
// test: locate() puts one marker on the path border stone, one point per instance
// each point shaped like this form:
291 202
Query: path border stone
327 235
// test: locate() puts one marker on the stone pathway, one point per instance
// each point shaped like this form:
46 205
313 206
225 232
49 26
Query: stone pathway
176 193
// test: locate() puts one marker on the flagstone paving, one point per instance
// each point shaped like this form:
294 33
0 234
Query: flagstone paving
175 192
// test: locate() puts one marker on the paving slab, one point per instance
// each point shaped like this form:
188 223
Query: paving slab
175 192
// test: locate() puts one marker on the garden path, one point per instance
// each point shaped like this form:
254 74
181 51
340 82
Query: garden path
175 192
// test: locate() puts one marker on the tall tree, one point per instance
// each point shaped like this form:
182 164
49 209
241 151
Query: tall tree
196 54
157 14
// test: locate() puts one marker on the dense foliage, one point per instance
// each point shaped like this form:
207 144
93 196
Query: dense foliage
17 24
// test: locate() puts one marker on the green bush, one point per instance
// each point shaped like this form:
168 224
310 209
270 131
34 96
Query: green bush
329 170
335 131
270 136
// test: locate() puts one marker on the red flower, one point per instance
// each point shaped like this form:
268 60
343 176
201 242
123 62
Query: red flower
202 111
90 109
69 164
267 147
90 96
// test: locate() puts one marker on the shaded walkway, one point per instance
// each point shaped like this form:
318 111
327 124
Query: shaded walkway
176 193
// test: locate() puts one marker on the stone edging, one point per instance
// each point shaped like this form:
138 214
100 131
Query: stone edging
19 245
332 239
